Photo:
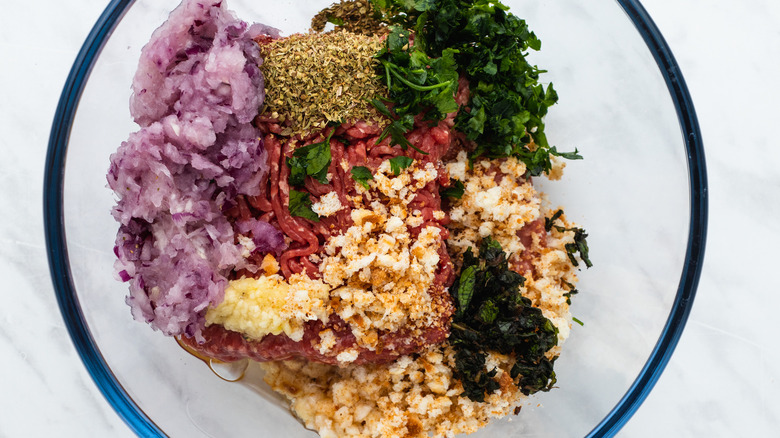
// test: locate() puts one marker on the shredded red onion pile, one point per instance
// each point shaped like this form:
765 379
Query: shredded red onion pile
196 91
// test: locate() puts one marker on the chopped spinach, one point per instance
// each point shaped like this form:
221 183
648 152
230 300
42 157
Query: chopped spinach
482 41
455 190
580 244
492 315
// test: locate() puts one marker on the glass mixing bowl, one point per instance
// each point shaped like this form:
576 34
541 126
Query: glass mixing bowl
640 192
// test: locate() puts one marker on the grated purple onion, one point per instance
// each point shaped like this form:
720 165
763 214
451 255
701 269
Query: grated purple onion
264 235
197 89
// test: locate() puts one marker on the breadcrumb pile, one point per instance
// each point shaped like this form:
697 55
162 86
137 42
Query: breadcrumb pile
375 276
412 397
498 201
417 396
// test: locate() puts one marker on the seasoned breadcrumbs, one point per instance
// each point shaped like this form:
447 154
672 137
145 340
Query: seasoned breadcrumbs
417 396
378 275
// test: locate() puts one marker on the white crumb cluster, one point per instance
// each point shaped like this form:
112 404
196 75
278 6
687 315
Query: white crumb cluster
328 204
418 396
376 276
412 397
497 201
380 273
247 245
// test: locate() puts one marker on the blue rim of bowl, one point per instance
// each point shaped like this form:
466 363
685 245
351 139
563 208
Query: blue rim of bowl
142 425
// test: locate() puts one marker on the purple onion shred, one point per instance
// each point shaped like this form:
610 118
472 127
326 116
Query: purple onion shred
197 89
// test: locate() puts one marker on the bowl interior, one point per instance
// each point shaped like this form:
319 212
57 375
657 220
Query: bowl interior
631 193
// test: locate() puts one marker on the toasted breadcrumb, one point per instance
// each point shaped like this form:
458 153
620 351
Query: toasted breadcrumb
328 205
492 205
417 396
375 275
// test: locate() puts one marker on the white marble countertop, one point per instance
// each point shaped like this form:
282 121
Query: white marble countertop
723 378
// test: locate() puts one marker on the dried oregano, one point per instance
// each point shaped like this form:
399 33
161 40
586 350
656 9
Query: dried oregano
313 79
356 16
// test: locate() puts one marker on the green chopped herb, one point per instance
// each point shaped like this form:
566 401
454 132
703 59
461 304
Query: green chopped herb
580 244
549 221
397 128
312 160
397 164
362 174
297 171
465 289
300 205
492 316
488 312
570 293
455 190
579 247
416 84
568 155
577 321
481 40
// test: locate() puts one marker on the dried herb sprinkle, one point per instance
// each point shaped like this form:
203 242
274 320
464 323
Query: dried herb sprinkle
313 79
356 16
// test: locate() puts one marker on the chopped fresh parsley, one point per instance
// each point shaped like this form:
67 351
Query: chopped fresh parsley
312 160
300 205
455 190
397 128
397 164
362 174
482 41
492 316
416 84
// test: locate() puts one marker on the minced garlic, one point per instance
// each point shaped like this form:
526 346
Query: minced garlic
255 307
270 304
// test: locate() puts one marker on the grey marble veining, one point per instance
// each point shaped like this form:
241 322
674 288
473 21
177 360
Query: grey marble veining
723 378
